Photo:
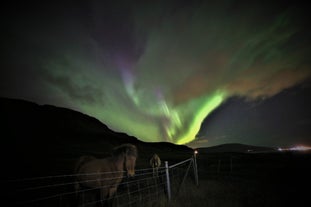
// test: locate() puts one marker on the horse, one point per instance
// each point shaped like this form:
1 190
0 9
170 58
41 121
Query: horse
106 174
155 163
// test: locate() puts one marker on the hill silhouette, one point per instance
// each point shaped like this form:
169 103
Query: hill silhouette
235 147
45 139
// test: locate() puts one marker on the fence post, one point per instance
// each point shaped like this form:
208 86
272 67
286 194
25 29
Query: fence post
168 186
231 163
218 166
195 168
186 174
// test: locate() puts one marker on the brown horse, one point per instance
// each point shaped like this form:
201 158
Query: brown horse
106 174
155 163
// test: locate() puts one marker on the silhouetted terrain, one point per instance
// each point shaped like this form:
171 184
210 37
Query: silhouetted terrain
235 147
44 140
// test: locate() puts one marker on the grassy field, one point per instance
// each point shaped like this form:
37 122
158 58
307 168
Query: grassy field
231 179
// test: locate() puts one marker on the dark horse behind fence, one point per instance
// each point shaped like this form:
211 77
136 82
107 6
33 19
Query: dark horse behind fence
103 176
155 163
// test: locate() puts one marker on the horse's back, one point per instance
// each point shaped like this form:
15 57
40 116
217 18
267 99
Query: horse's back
81 161
103 166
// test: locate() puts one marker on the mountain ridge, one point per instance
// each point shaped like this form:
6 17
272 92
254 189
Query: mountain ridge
235 147
47 139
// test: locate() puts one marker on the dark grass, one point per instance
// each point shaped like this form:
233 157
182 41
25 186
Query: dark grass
225 179
270 179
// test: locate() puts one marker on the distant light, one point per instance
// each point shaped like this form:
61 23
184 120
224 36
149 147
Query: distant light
196 152
295 148
300 148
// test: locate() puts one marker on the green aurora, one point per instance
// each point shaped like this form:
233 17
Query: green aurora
157 72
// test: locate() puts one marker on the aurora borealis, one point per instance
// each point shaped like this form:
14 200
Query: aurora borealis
153 71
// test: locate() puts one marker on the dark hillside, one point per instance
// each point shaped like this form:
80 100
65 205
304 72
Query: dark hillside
236 147
44 140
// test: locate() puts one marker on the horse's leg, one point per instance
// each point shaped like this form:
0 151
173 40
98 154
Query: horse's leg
76 197
103 196
111 195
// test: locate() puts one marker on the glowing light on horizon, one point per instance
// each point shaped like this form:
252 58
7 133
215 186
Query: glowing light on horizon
295 148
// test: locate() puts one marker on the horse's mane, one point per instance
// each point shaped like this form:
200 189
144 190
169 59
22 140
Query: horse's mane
128 149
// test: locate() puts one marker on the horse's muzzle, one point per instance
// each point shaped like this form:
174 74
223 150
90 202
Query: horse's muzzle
130 173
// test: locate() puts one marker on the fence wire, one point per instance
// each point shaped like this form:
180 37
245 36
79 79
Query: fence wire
144 189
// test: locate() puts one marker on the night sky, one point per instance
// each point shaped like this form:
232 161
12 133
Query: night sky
189 72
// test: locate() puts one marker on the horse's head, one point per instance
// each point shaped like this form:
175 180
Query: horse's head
155 161
130 160
129 155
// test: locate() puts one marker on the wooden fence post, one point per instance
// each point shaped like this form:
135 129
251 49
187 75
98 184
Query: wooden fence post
195 168
168 186
218 166
231 164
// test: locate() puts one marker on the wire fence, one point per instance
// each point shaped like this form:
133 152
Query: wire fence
144 189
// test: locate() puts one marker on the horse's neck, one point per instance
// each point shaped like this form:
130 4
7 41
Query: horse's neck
119 161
